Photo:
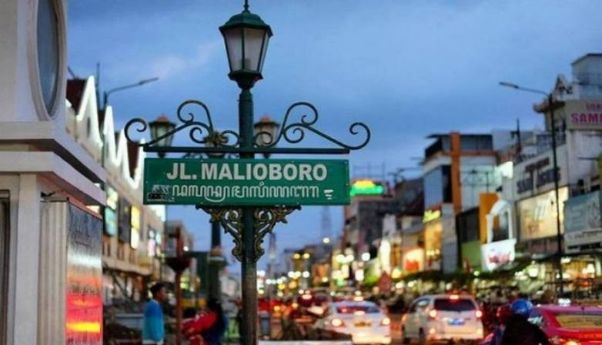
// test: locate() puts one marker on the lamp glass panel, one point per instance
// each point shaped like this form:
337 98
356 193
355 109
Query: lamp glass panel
233 39
264 49
253 49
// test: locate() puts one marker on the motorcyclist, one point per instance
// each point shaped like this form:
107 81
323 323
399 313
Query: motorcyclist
519 331
502 314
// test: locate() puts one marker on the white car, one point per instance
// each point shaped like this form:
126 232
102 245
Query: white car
364 321
442 318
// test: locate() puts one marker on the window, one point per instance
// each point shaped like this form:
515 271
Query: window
448 304
48 51
437 186
352 309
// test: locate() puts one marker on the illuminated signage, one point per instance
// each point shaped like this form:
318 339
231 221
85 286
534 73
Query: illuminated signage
112 198
135 226
367 187
430 215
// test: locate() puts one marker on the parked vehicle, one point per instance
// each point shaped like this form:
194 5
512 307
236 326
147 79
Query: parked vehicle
442 318
569 325
364 321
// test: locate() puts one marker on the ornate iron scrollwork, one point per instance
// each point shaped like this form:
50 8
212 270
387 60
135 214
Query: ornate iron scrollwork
202 132
264 220
294 132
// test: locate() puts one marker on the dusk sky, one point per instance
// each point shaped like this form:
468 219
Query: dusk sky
405 68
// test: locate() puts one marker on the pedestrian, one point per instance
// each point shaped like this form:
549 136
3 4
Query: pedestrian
153 330
210 325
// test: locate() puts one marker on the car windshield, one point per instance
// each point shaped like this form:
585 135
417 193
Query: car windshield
448 304
579 321
352 309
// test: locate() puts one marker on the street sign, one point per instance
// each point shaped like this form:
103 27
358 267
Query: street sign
246 182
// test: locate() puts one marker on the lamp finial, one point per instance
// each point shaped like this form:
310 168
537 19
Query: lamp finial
246 6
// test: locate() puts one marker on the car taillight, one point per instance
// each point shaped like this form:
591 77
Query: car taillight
478 314
385 322
432 314
562 341
337 323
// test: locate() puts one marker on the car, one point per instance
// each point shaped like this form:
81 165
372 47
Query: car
569 325
364 321
442 318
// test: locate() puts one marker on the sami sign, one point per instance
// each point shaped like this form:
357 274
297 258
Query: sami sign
246 182
583 115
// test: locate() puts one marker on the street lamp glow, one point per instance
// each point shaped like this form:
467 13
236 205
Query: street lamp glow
159 129
326 240
305 274
246 37
365 256
306 256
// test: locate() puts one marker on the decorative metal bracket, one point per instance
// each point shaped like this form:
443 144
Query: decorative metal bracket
264 220
210 141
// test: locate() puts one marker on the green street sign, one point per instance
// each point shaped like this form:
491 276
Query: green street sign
246 182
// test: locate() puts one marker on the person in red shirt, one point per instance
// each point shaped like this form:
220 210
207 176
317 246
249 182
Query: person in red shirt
208 327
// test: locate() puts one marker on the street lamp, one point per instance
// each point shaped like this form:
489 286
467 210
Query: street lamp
160 129
106 94
266 130
552 105
246 38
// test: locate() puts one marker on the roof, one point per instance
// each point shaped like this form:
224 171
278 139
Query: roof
75 91
579 59
445 135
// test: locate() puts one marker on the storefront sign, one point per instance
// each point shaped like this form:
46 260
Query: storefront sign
537 215
583 115
536 175
430 215
583 212
413 260
111 212
83 320
583 221
246 182
367 187
496 254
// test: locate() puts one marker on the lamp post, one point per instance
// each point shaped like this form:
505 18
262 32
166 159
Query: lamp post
246 38
552 105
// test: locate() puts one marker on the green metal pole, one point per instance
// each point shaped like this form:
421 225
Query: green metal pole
248 262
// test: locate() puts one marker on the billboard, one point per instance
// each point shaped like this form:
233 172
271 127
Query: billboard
496 254
537 215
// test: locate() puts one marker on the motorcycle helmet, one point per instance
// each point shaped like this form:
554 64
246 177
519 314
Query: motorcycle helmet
521 307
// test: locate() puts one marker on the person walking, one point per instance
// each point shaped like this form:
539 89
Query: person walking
153 329
210 325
